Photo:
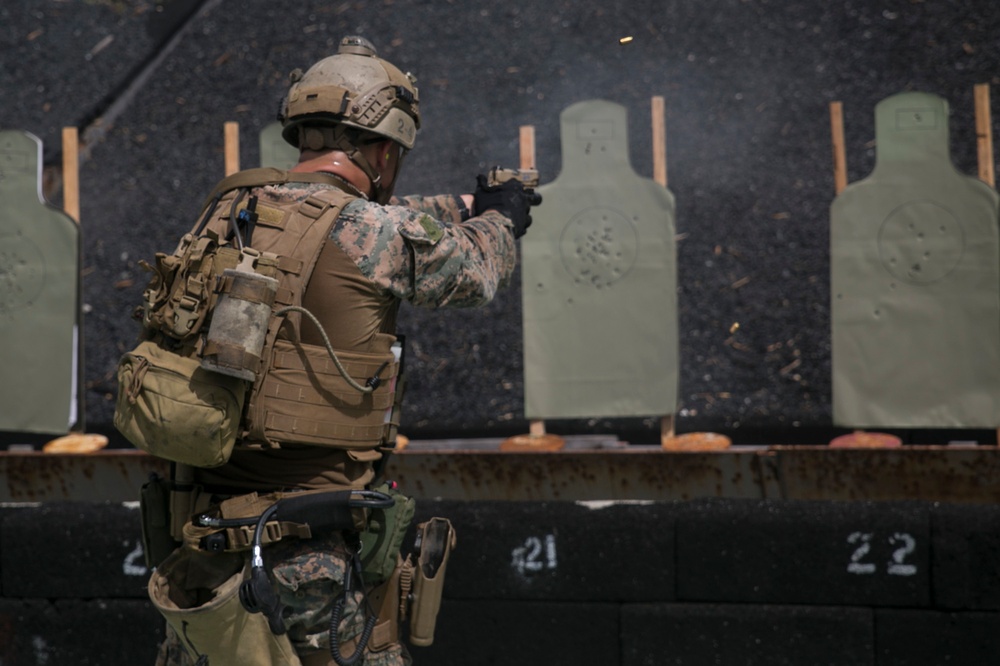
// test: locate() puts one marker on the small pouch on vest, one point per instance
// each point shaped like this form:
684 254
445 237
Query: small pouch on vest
198 595
435 541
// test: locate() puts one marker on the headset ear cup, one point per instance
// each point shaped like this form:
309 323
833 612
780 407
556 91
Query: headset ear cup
248 597
257 596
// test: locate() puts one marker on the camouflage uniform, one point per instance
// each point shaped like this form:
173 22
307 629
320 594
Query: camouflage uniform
457 264
418 249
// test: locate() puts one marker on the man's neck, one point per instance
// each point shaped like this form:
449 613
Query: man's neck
333 162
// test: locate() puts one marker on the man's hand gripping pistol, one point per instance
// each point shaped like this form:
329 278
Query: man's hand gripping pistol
510 191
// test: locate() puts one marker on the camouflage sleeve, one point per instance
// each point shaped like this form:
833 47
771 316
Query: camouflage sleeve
424 260
446 207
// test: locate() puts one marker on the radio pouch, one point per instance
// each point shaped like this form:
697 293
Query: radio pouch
383 538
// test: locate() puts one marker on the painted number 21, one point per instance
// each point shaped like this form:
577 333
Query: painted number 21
903 546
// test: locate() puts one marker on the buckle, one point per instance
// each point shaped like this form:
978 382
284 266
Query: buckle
214 543
313 207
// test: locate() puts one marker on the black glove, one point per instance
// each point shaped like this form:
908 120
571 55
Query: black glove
509 198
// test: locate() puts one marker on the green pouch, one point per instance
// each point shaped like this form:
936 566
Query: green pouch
172 408
382 539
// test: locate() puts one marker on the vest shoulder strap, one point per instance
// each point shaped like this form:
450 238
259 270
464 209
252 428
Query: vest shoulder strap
270 176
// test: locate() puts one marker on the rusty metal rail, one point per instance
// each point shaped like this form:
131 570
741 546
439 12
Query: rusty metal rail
477 470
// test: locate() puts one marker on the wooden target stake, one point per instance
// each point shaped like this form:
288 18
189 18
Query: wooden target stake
536 428
984 134
839 154
657 110
71 172
984 143
231 131
71 206
659 141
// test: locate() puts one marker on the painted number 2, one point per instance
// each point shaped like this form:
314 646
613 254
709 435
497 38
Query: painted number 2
903 546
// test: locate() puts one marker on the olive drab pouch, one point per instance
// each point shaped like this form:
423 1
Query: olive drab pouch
383 538
198 595
171 408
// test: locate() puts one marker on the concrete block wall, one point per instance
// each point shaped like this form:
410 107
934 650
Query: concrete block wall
627 584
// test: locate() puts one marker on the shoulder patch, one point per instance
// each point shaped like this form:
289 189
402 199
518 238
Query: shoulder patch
432 227
419 228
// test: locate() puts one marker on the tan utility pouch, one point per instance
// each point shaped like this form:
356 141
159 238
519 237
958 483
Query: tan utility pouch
171 408
198 594
435 541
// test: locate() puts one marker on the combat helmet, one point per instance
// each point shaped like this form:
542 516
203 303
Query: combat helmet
354 88
343 97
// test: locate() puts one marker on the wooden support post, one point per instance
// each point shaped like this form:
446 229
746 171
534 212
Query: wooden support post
667 428
536 428
232 147
71 206
839 156
527 147
659 141
984 135
984 144
71 172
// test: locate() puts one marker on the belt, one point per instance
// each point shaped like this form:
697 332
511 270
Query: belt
251 505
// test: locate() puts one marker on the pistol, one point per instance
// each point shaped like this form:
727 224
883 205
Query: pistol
527 177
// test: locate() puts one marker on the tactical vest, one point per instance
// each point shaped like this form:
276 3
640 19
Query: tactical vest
298 393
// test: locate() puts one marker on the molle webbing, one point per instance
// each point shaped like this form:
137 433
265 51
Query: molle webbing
299 411
245 290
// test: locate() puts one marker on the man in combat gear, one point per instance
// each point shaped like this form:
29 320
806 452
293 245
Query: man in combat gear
354 117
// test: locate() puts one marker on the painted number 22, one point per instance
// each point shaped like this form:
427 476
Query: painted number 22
903 544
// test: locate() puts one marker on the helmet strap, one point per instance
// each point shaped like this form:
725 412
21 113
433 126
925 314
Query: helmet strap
336 138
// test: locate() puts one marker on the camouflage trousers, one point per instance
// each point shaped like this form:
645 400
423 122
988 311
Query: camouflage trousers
308 578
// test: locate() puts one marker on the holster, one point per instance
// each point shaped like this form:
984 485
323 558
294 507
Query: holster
435 541
197 593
